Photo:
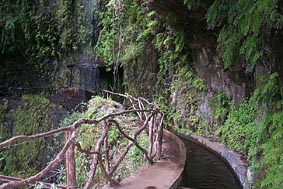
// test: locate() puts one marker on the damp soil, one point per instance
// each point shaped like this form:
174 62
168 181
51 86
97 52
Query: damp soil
206 170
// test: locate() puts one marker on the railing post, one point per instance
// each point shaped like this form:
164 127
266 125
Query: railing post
106 148
159 139
150 136
71 180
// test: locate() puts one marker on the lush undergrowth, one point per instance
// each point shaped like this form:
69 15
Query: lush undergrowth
255 129
89 135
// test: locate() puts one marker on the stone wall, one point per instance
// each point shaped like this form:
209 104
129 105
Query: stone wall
235 84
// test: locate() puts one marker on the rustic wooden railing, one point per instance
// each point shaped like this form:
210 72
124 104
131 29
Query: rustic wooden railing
152 122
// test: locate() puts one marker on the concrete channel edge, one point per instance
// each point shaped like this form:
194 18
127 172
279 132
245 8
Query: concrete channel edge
182 161
235 160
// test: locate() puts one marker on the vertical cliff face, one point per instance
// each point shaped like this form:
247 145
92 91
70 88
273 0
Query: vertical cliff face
197 105
209 67
178 61
234 84
140 77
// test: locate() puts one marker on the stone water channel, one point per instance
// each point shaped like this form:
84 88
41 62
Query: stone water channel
205 169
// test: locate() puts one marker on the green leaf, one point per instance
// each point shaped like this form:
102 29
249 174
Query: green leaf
151 13
189 5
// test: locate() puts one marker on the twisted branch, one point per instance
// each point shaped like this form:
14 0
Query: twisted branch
52 165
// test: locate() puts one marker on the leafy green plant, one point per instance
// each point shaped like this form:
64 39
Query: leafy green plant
220 106
271 161
255 130
135 155
246 28
268 164
37 37
192 4
240 131
5 115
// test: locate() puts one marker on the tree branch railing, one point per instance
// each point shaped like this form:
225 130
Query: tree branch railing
152 121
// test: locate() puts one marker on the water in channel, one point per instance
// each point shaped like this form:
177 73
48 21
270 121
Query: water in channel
205 170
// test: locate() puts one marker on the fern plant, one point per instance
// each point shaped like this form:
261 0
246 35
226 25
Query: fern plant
245 30
272 158
240 130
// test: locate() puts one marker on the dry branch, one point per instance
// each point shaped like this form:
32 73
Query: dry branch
106 150
159 137
121 113
45 185
31 137
73 126
133 140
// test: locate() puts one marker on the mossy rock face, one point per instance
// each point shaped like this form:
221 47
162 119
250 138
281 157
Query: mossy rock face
35 114
140 76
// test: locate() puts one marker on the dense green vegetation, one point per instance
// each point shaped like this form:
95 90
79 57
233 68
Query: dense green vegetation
255 130
41 36
157 44
245 31
246 28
